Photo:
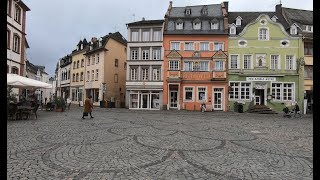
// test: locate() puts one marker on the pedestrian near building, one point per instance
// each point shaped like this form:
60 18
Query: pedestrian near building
88 106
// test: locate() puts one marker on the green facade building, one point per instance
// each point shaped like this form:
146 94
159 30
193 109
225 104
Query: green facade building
265 61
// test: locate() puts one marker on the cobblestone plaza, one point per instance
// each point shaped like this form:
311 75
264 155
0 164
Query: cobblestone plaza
128 144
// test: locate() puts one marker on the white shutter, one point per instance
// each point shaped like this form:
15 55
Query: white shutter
294 63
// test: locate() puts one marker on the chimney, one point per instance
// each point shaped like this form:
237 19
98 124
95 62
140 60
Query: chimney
94 39
279 8
169 9
143 19
226 5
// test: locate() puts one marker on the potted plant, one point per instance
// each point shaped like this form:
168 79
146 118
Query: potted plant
60 104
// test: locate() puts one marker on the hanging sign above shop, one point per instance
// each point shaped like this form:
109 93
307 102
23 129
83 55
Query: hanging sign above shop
260 79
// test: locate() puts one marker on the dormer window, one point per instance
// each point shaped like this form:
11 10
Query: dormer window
188 11
308 28
232 30
293 30
274 18
238 21
204 10
179 25
215 24
197 24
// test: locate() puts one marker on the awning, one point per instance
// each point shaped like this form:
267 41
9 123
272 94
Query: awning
17 81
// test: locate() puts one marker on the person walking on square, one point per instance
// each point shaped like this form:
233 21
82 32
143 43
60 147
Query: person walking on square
88 106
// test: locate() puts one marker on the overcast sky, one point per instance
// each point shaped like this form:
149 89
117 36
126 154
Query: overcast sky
55 27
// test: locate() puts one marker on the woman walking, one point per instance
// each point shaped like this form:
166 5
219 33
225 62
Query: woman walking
87 107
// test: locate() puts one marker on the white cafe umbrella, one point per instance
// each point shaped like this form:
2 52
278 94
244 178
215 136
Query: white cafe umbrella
15 80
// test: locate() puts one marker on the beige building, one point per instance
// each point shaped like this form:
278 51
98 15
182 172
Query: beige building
105 63
77 72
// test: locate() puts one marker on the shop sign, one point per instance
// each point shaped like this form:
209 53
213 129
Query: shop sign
260 79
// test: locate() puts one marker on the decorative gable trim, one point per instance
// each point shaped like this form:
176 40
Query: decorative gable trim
174 54
219 55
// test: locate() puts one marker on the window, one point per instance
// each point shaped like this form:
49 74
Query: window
9 2
156 54
88 61
308 28
240 91
134 35
234 62
97 74
145 35
8 38
175 46
133 74
188 93
188 65
214 25
116 78
73 78
17 14
82 62
116 63
16 43
218 46
204 46
92 75
173 65
124 65
96 95
282 91
204 66
77 77
188 46
145 54
134 100
263 34
196 66
98 58
242 43
293 29
188 11
274 61
93 59
14 70
81 76
73 95
78 64
202 94
134 54
308 48
156 74
197 25
157 35
289 62
179 25
247 61
308 72
74 65
145 74
238 21
219 65
232 30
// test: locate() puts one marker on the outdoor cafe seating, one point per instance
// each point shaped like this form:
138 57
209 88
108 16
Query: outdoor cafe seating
17 111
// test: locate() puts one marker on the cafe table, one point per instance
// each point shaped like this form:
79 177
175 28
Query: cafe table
24 110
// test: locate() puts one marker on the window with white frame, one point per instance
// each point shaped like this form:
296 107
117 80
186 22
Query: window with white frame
289 62
173 65
73 77
188 93
204 46
308 28
156 74
282 91
219 65
88 75
92 75
146 35
77 77
188 65
134 54
98 58
196 66
240 91
145 54
16 43
134 35
188 46
74 65
238 21
157 35
274 61
204 66
88 64
293 29
234 62
232 30
133 74
247 61
81 76
175 46
202 93
145 73
17 14
215 25
245 90
234 91
179 25
93 59
197 25
82 62
263 34
156 54
218 46
78 64
97 74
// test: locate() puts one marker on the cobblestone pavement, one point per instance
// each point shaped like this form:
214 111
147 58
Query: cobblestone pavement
127 144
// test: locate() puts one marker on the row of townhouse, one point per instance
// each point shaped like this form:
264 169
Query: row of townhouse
207 54
95 68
